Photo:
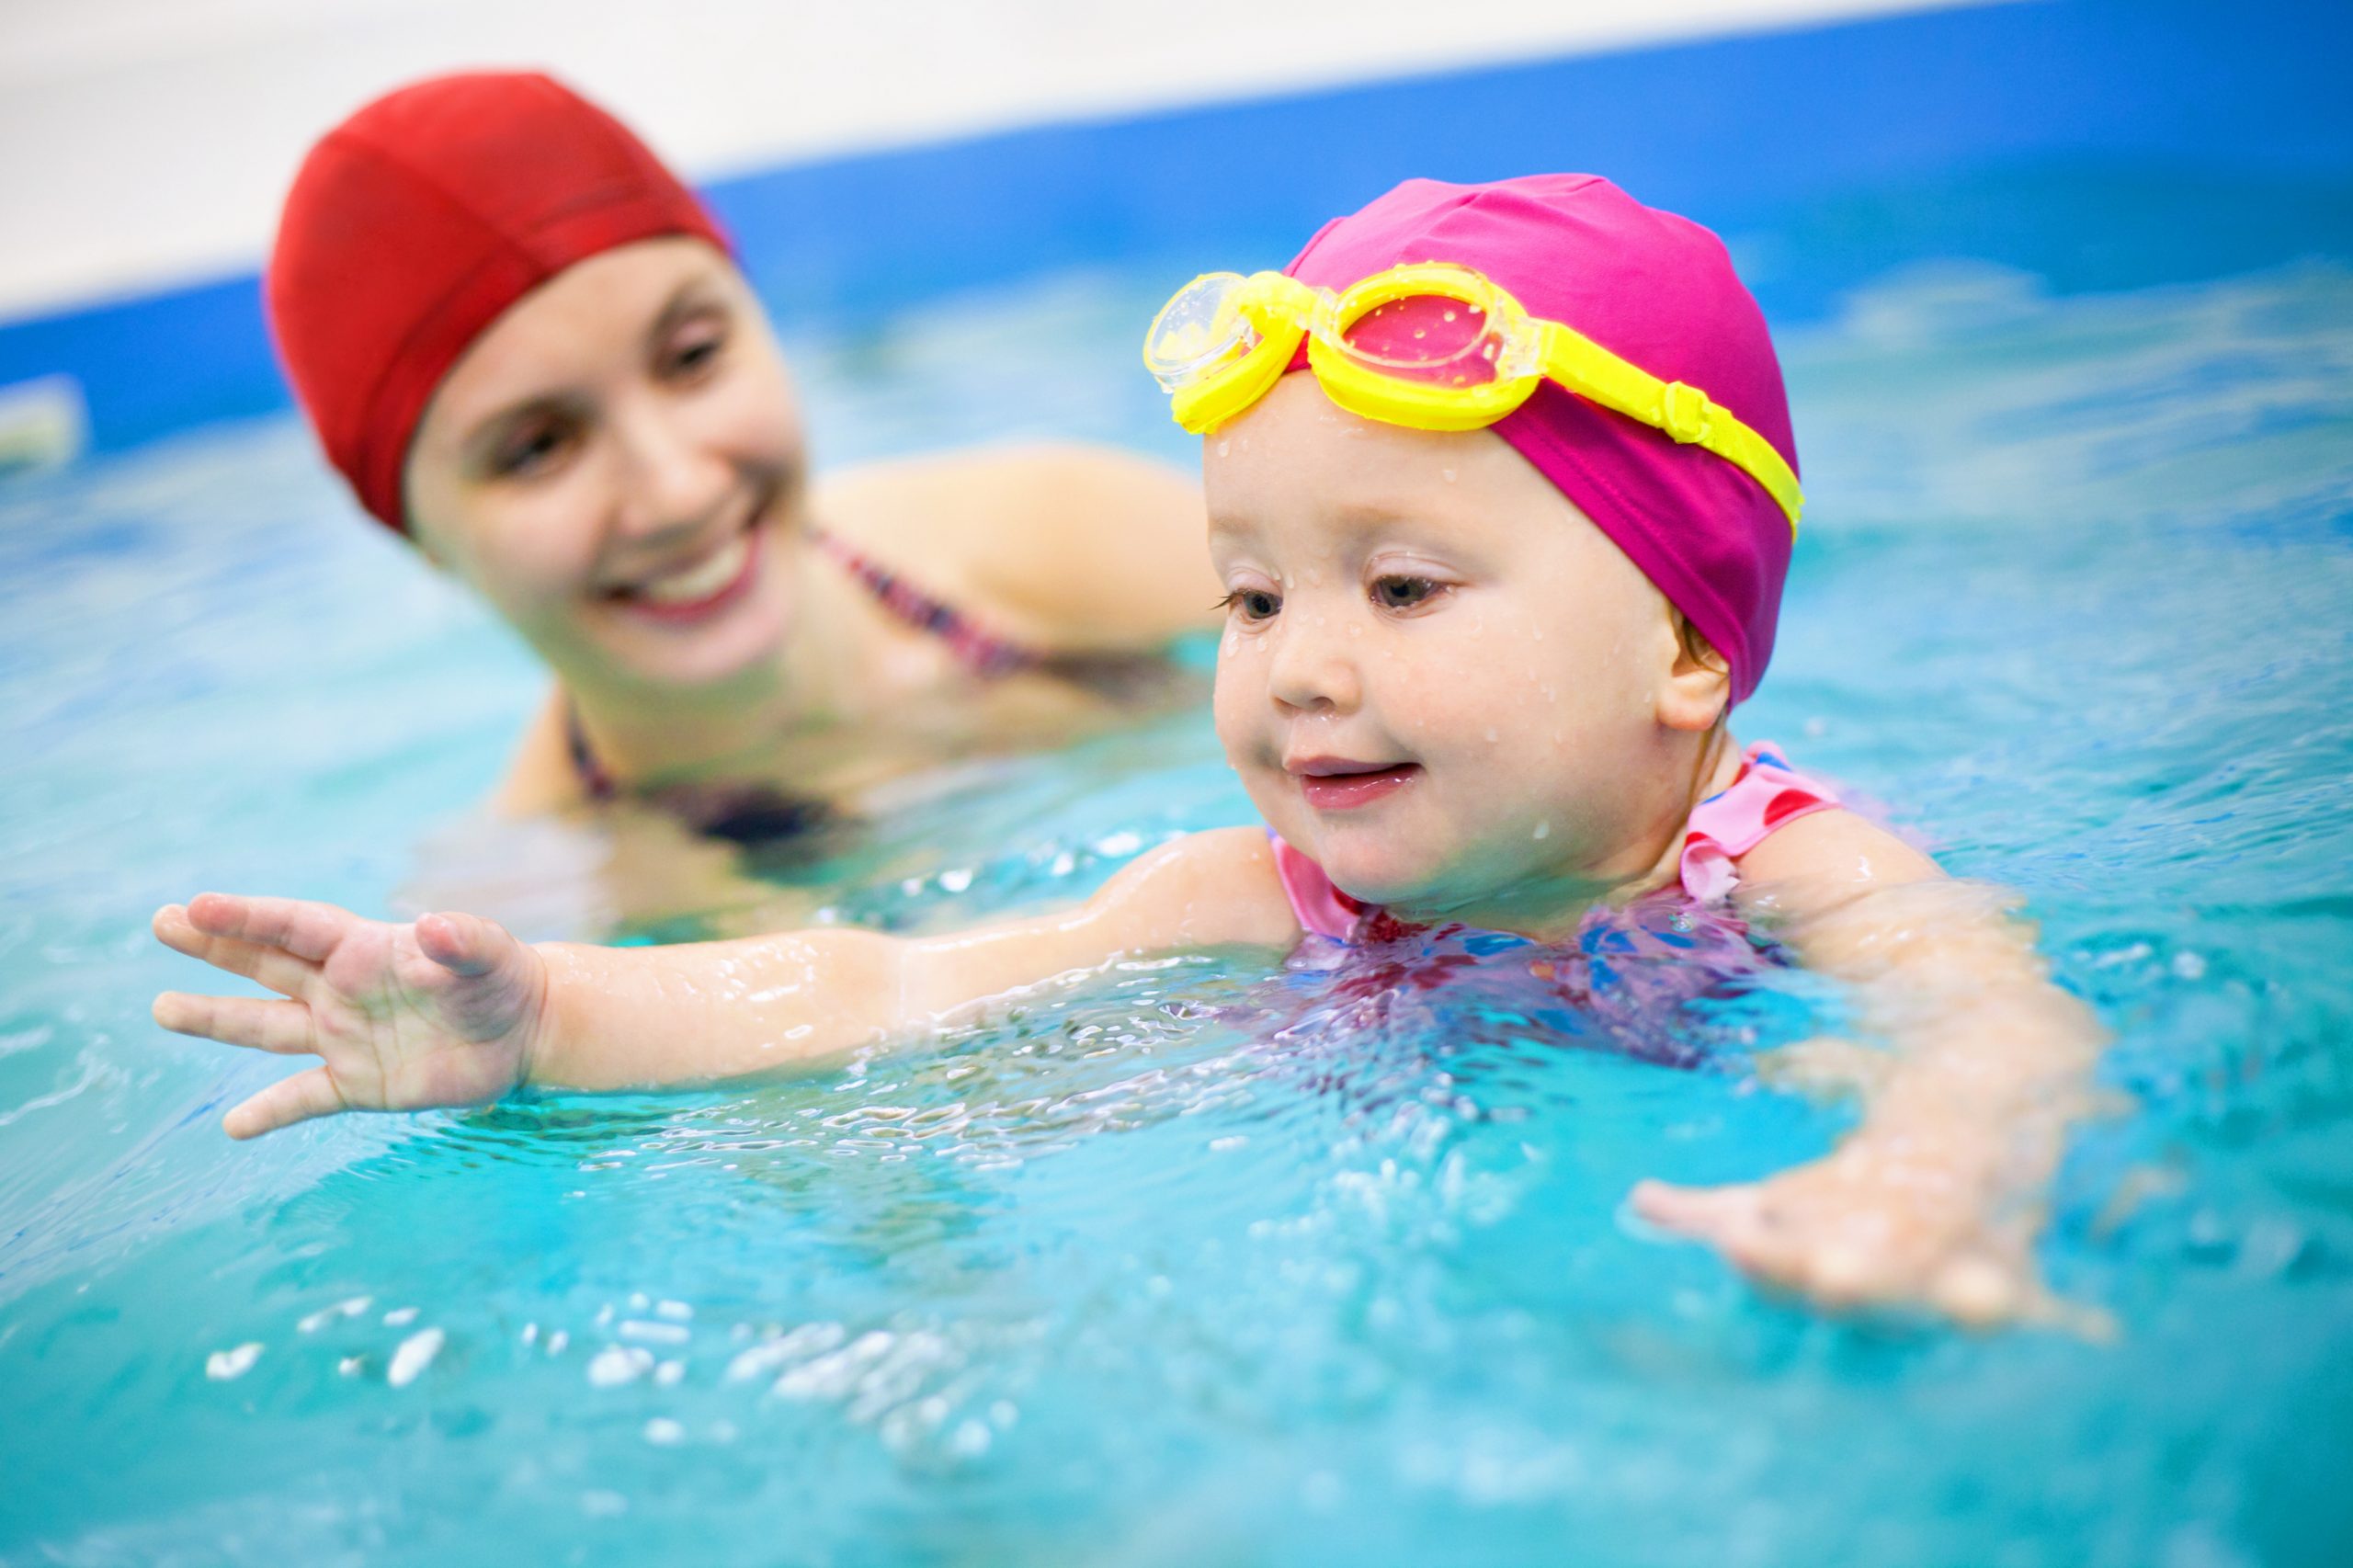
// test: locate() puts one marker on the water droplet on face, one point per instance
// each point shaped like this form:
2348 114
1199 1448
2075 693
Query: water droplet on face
1543 830
1224 443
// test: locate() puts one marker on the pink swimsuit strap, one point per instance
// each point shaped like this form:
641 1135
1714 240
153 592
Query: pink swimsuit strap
1764 795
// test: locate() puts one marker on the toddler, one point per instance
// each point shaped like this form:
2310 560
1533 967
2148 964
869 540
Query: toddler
1502 492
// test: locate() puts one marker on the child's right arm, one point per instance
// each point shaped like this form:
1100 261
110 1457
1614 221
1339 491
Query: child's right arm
453 1010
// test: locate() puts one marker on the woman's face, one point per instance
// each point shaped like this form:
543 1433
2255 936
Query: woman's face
613 464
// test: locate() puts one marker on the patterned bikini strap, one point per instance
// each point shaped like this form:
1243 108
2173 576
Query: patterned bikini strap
595 780
981 652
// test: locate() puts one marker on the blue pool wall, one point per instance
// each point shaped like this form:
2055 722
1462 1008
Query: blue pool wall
2230 125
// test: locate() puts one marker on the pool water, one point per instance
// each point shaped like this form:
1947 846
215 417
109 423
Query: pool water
1209 1262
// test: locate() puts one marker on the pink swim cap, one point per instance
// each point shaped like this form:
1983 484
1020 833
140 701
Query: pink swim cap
1656 290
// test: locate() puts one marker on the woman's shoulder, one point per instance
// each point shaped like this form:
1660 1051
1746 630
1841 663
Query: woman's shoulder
1069 548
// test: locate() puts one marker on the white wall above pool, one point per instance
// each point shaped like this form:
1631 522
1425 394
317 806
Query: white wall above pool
146 143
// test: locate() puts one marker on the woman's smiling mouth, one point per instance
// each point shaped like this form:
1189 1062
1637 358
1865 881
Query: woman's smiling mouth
1337 784
700 590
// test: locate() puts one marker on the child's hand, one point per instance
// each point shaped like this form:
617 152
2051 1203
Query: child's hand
442 1012
1877 1224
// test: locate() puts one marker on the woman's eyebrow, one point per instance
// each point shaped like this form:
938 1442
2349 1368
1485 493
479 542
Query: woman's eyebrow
691 298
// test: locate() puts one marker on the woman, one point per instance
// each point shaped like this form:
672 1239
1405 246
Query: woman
524 343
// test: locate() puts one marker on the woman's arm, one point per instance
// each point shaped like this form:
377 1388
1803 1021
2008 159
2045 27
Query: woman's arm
1936 1197
452 1011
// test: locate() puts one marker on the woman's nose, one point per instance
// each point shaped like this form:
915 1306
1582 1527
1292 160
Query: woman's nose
1312 669
670 480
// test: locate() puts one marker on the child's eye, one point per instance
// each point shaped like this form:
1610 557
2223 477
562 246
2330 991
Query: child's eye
1403 593
1252 604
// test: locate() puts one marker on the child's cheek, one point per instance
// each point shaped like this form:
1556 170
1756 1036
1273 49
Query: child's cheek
1238 700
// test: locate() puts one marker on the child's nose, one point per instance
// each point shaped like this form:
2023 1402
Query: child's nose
1312 668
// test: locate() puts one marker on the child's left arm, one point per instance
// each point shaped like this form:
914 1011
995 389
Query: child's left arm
1936 1197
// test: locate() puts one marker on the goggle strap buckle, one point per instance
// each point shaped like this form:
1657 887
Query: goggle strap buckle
1684 413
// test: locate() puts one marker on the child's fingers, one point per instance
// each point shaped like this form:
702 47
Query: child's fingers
1706 1213
272 967
309 931
462 944
1740 1222
283 1028
284 1103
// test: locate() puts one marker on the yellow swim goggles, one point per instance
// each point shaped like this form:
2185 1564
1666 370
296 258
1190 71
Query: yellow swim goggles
1473 357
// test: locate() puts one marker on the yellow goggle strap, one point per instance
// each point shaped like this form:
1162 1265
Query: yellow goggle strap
1683 410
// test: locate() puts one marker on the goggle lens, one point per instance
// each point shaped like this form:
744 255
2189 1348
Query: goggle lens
1426 337
1201 330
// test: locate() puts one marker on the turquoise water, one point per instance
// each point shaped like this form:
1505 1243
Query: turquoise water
1208 1263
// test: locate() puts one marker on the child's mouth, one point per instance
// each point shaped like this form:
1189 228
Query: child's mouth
1336 784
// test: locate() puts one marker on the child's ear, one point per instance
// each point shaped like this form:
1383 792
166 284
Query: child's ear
1699 684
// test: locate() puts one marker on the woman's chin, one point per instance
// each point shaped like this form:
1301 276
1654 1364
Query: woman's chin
722 651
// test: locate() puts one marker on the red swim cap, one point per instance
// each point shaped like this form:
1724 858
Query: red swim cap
417 221
1656 290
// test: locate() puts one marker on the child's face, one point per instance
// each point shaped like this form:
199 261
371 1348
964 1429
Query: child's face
1439 678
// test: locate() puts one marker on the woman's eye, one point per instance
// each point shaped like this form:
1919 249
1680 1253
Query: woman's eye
1402 593
1254 604
530 450
692 356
